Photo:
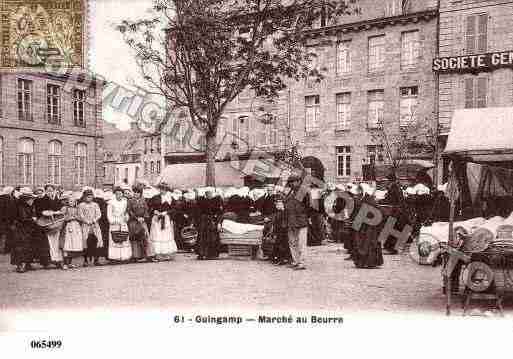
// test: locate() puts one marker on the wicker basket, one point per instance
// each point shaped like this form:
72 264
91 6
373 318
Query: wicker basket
119 236
51 223
189 235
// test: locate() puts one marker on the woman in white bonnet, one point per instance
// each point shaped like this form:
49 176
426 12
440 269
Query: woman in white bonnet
162 237
118 220
71 234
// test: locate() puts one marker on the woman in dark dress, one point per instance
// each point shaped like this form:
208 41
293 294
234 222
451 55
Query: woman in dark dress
138 231
24 226
210 209
366 251
40 240
99 199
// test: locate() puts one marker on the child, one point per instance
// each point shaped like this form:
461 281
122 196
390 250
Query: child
281 250
71 235
89 215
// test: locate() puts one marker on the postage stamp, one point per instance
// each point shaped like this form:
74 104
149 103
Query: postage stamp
36 33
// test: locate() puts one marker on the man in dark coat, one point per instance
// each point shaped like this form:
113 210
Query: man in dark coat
7 217
297 209
21 247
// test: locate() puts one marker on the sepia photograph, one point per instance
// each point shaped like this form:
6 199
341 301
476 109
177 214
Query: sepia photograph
325 165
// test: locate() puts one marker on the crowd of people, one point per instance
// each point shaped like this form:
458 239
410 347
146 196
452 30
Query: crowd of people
50 226
53 227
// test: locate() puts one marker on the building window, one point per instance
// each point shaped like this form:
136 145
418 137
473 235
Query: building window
408 105
343 161
1 160
118 178
145 168
151 145
80 163
152 167
410 49
475 92
26 161
25 100
261 136
272 129
157 140
376 53
343 111
126 175
158 166
241 128
313 112
136 173
78 107
53 107
54 162
375 154
476 30
343 58
314 62
376 104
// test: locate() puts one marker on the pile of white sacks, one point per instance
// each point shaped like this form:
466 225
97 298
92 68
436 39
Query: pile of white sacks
486 229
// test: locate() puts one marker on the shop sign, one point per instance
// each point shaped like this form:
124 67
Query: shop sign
473 63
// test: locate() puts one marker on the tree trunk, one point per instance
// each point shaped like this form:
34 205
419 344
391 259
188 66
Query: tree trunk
211 148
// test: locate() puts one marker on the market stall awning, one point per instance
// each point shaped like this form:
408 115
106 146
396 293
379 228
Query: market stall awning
482 135
228 174
192 175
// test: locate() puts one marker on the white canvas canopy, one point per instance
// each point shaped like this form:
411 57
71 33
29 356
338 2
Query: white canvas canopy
228 174
192 175
482 135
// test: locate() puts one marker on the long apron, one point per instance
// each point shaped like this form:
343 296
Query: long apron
162 240
119 251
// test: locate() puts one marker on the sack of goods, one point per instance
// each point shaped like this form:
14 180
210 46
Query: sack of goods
235 232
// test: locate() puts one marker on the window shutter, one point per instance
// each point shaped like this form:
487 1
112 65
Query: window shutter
482 32
470 34
469 93
482 85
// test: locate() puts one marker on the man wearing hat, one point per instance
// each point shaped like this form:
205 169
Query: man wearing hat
22 234
297 207
7 217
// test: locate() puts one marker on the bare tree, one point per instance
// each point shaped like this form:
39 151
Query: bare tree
414 139
201 54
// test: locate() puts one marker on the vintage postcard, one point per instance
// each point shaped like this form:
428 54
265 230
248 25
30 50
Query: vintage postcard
299 168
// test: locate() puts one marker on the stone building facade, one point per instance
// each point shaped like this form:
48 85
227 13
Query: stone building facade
377 67
131 156
473 28
50 130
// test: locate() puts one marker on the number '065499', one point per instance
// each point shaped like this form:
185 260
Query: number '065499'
46 344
